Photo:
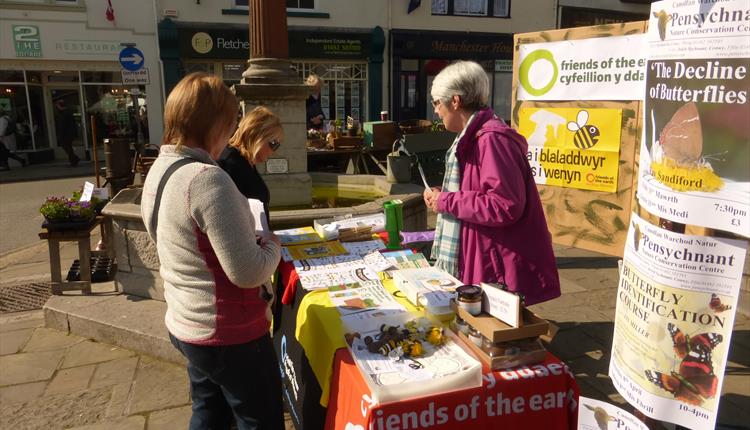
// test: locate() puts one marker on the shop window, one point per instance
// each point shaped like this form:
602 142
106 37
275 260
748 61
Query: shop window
58 76
344 90
496 8
102 77
188 68
118 111
38 121
231 73
11 76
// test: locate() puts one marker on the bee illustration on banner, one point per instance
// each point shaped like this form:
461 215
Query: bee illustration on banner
695 381
586 135
663 18
679 153
716 305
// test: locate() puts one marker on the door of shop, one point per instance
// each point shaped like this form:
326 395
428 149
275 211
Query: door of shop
66 107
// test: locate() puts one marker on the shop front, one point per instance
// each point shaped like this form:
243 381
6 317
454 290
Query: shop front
343 58
419 55
58 77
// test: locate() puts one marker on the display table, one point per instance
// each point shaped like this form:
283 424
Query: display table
542 396
83 237
318 372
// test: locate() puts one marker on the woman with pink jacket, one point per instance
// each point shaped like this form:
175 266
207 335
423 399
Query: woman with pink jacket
490 225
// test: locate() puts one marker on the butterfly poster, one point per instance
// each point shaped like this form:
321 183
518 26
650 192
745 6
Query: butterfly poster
676 303
695 151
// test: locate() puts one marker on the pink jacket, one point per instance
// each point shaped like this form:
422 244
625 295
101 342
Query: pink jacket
504 236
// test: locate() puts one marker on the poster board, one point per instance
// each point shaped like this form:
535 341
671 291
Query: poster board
588 219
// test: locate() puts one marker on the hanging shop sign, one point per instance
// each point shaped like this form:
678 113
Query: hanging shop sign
676 303
695 156
573 147
451 45
233 43
607 68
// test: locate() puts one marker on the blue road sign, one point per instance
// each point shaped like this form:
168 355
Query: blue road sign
131 58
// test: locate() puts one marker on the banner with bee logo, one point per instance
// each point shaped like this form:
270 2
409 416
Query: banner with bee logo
695 151
676 304
573 147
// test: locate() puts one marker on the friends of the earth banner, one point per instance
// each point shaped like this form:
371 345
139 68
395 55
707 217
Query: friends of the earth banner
695 152
573 147
676 302
603 68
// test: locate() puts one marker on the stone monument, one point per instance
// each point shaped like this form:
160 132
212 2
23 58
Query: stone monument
270 81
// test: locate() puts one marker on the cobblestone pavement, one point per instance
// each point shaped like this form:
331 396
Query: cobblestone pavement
53 380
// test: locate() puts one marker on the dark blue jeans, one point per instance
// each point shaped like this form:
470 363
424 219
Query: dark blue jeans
241 380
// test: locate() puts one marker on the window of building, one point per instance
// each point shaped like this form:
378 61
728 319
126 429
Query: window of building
344 92
496 8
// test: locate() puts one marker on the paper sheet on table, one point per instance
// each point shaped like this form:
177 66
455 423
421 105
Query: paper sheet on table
259 216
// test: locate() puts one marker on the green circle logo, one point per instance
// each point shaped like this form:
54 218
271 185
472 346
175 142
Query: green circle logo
539 54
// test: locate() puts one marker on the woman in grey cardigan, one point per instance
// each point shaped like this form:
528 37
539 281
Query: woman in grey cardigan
214 269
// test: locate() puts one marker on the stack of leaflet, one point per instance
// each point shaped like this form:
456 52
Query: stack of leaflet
429 287
332 228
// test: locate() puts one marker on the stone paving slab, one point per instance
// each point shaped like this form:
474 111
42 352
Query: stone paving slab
12 341
29 367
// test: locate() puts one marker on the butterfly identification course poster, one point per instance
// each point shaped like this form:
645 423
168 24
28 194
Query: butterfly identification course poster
676 303
695 151
573 147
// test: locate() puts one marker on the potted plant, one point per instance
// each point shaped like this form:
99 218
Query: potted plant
61 213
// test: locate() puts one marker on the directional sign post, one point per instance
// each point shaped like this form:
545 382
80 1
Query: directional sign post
131 58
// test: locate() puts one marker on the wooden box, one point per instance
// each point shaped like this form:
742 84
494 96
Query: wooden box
532 355
497 331
380 135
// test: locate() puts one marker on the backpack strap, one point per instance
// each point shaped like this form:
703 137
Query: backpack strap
160 189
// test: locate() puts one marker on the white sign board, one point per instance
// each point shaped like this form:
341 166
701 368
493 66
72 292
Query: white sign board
139 77
277 165
502 305
606 68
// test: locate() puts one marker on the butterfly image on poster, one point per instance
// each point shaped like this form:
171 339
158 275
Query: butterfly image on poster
695 381
678 153
716 305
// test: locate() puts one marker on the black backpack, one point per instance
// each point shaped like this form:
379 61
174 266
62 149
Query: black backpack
11 128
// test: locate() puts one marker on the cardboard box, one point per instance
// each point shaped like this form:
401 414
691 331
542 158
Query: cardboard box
429 287
497 331
534 355
380 135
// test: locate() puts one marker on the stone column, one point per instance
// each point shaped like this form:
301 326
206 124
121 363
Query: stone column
270 81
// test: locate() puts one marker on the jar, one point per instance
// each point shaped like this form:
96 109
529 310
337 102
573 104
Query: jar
491 348
462 326
475 336
470 298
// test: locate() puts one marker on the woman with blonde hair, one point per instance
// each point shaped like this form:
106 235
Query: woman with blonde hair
213 268
258 135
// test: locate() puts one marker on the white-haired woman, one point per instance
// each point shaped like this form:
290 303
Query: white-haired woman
490 226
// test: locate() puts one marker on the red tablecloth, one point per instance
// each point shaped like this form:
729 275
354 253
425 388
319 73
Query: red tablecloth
542 396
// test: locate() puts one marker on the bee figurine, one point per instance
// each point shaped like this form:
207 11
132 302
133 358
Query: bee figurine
412 348
586 136
434 335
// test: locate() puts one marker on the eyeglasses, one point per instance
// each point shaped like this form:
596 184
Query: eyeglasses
435 103
274 145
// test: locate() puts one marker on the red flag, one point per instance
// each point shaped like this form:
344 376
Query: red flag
110 12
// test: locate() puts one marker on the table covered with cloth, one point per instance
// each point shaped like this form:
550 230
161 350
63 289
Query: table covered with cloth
536 396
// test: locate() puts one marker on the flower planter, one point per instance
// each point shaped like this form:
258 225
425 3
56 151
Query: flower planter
68 224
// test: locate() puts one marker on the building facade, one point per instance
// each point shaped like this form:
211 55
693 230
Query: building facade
67 53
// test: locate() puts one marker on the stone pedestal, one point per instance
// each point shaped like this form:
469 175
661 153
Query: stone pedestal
267 83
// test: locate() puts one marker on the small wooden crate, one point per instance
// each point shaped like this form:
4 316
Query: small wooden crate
347 142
